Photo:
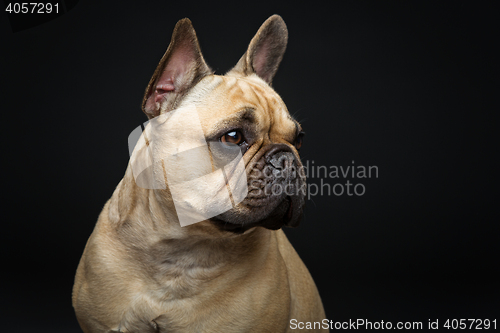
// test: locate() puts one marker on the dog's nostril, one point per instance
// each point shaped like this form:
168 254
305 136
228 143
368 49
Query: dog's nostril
282 160
282 165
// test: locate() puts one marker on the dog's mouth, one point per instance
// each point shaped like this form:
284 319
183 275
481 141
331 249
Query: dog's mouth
282 215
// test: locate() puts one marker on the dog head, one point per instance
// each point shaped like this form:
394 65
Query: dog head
240 112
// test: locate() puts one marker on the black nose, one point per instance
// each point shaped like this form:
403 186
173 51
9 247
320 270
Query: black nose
281 166
283 161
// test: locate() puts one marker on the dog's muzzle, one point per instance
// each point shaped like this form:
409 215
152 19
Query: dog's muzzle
276 192
274 174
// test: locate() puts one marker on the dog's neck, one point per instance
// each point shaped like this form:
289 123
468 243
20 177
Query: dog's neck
145 223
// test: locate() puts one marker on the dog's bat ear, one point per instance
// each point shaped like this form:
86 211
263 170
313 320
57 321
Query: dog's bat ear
180 68
265 51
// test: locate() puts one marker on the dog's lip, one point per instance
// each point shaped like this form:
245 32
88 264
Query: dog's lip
284 220
230 226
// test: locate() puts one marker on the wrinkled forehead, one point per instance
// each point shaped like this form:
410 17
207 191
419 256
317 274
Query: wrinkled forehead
218 97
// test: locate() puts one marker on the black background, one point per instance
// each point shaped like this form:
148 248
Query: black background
405 86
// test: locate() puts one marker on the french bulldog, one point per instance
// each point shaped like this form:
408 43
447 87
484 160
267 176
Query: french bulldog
142 271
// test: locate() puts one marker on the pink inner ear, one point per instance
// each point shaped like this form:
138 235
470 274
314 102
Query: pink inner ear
163 88
260 58
172 77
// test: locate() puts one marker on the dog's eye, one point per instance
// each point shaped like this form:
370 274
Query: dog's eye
233 137
298 140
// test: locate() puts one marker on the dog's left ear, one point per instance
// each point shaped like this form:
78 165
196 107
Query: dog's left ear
180 68
265 51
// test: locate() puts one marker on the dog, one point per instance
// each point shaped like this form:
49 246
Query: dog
236 271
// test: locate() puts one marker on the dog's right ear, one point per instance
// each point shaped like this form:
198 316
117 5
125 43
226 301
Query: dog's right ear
180 68
265 51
